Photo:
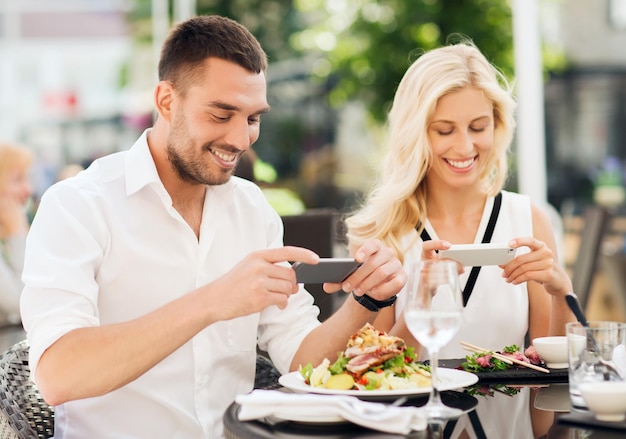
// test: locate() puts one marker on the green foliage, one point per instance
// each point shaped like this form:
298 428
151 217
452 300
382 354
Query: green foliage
361 50
365 46
271 21
385 36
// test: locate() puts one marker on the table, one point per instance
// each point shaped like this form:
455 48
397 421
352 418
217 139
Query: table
493 410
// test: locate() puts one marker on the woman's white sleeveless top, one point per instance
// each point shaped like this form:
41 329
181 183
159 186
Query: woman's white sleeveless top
496 314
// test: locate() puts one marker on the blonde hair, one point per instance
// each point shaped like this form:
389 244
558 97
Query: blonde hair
397 203
13 156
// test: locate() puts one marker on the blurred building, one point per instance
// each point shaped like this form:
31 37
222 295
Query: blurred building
63 70
74 85
586 104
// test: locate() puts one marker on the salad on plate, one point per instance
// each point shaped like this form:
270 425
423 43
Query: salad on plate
372 360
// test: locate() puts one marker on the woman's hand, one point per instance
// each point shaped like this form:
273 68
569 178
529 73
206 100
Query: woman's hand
380 276
431 247
539 265
430 251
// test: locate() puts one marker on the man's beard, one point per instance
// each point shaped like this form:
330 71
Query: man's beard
195 171
190 168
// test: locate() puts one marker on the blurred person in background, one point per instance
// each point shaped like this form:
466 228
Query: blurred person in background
152 276
15 193
450 128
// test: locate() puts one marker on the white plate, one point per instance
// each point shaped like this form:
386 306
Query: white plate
449 379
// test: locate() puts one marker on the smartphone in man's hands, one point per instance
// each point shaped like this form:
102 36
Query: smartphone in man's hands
327 270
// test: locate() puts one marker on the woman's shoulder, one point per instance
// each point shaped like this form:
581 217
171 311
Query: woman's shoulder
516 203
516 213
522 201
515 197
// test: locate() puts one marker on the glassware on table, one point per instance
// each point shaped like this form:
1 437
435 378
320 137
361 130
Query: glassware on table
433 315
597 353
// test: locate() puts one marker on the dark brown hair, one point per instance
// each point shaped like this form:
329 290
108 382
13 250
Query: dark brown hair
194 40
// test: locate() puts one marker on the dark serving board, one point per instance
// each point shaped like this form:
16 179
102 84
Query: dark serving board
515 375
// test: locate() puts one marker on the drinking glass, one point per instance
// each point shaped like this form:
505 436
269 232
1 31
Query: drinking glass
597 353
433 315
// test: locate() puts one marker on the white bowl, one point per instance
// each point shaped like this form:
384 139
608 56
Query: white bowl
553 350
606 399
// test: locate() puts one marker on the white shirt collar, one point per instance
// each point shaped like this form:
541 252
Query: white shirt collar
140 169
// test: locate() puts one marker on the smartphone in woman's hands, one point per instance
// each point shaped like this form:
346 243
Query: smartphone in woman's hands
476 255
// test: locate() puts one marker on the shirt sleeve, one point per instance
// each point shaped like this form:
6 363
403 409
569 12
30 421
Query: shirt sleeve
64 248
281 331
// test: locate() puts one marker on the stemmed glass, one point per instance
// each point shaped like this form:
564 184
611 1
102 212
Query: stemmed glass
433 315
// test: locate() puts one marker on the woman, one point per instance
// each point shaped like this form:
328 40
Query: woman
15 192
450 128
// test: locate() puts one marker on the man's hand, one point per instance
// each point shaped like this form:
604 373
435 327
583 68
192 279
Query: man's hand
261 279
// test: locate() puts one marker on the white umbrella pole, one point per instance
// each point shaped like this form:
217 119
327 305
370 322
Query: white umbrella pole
531 163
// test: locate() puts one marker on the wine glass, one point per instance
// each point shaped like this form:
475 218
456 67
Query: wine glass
433 315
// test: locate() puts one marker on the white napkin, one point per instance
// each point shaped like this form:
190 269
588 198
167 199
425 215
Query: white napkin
377 416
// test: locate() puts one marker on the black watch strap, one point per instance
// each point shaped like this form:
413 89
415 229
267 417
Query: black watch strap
373 304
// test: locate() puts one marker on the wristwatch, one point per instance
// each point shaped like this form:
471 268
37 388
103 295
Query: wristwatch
373 304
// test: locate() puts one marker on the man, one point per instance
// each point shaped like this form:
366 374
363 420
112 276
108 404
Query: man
151 277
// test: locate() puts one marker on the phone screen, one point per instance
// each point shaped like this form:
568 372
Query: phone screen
331 270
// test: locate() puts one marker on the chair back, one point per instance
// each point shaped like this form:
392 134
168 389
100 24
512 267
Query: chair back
23 412
318 230
267 375
25 415
597 220
315 229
